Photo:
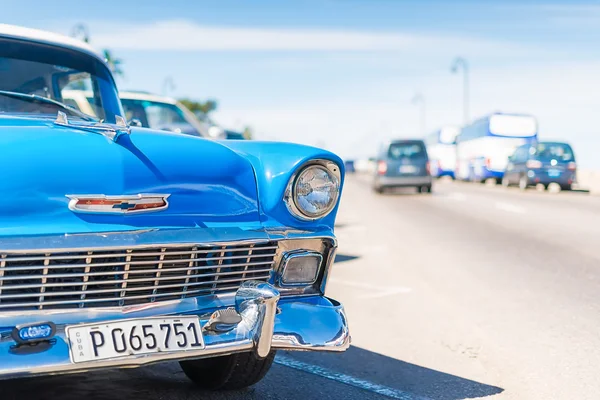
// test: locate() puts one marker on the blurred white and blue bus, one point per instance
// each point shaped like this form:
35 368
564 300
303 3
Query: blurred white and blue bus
483 147
441 148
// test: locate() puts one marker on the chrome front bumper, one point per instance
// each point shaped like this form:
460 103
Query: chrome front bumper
268 323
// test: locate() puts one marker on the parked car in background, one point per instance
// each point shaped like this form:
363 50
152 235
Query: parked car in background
234 135
350 168
166 114
151 111
541 163
403 163
117 254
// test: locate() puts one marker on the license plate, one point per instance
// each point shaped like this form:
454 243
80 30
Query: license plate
92 342
408 169
553 173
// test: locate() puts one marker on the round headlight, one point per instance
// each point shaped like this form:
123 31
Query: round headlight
314 191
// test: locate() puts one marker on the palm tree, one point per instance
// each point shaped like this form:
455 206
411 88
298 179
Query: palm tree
82 32
115 64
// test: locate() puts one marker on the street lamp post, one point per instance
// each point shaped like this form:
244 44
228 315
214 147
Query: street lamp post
420 100
461 64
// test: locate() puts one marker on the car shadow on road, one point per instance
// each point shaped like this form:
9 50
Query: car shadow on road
410 381
355 374
339 258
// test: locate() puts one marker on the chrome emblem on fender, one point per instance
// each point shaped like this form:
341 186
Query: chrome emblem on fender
99 203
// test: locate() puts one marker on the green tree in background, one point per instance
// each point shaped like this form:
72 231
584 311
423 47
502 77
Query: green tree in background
200 108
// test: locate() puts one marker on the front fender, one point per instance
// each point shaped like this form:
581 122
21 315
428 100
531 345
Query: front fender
274 164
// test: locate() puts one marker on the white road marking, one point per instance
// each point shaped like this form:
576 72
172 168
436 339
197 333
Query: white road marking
392 292
510 208
456 196
347 379
375 291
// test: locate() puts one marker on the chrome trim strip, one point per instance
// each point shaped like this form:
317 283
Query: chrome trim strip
64 302
187 280
123 285
139 271
116 255
327 269
86 278
117 263
123 289
44 280
219 263
140 239
158 272
248 260
2 265
68 316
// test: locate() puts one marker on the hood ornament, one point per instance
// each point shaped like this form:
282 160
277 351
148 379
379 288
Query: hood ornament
61 119
111 131
126 204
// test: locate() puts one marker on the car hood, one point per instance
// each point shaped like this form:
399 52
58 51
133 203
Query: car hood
42 163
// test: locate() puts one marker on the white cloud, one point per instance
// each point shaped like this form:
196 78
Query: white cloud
183 35
564 16
186 35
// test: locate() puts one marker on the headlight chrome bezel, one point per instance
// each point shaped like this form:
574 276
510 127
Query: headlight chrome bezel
291 255
290 197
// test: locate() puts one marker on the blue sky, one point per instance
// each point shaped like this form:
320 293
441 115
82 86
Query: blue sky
341 74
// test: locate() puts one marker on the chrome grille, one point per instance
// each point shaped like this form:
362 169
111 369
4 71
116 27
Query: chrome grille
124 277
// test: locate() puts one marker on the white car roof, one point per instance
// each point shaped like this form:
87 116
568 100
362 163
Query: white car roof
35 35
146 96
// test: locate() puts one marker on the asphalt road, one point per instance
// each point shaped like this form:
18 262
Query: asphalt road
468 292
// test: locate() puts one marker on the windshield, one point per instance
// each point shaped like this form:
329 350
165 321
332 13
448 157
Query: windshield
553 151
50 73
411 150
162 116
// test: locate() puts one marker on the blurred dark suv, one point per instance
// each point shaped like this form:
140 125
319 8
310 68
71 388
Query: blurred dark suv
403 163
541 163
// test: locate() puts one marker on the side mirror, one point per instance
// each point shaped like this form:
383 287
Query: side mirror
135 122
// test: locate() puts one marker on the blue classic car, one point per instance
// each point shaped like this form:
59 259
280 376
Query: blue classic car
123 246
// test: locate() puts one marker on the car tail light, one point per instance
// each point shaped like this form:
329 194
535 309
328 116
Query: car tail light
428 167
381 167
534 164
488 163
572 166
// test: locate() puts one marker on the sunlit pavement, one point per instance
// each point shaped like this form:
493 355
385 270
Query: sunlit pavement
469 292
